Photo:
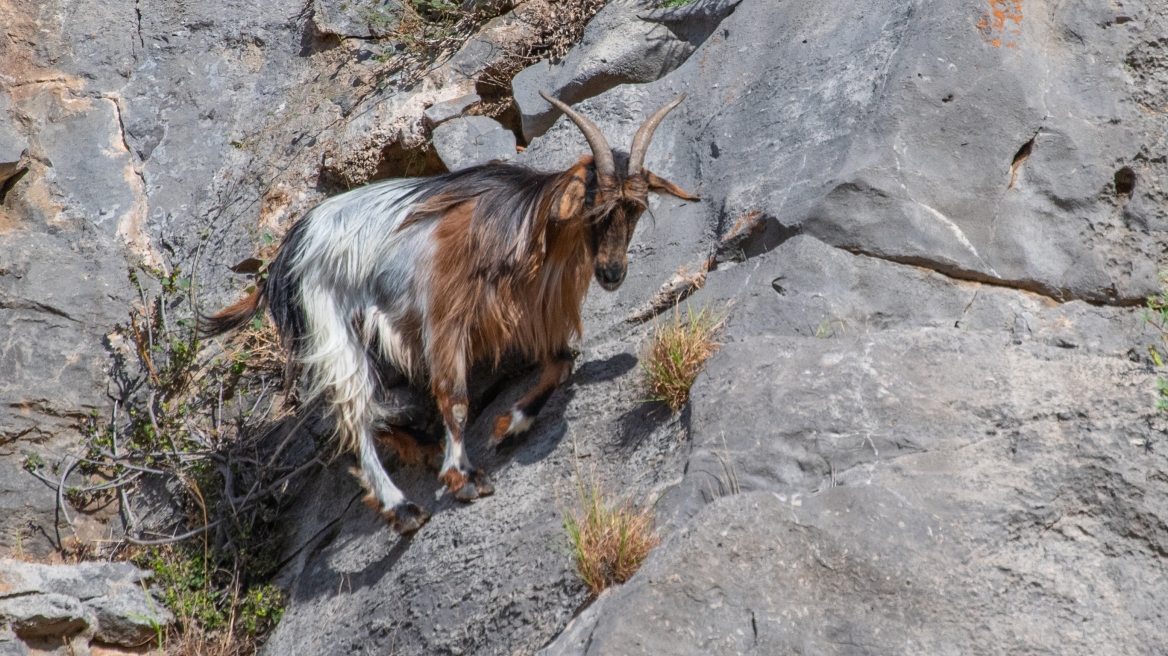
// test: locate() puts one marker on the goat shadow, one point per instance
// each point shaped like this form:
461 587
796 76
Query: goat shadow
341 541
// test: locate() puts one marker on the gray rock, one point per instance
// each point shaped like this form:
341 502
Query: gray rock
624 44
441 112
473 140
363 19
130 618
830 160
496 42
10 644
83 581
13 146
939 203
873 569
44 615
61 600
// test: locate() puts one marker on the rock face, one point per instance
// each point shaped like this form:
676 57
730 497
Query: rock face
361 19
931 427
78 604
932 423
473 140
628 42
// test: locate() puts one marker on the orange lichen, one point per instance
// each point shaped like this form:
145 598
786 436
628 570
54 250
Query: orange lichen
993 24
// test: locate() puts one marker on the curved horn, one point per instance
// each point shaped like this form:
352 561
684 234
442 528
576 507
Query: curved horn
601 153
645 135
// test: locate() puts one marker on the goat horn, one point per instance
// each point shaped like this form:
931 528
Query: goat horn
601 153
645 135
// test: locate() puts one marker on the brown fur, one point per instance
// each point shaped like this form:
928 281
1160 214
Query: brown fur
233 316
502 425
453 479
532 308
408 448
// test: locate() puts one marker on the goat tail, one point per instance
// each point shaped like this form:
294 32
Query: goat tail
233 316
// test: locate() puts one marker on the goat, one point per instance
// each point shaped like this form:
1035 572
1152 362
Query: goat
426 276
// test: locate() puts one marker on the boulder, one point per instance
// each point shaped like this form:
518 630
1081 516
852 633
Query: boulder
83 581
473 140
44 615
441 112
130 619
626 43
109 600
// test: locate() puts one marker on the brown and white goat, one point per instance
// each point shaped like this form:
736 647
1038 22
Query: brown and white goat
428 275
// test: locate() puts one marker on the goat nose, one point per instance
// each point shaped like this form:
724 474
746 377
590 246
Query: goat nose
613 274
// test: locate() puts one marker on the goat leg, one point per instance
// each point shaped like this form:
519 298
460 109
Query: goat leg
556 369
461 479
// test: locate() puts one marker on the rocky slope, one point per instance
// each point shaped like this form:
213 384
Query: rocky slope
932 427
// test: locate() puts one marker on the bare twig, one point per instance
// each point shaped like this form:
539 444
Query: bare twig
174 538
61 499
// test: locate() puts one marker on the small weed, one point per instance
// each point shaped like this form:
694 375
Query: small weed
827 330
678 353
727 482
670 4
609 539
1157 315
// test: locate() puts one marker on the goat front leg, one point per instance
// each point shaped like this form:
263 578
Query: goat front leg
462 480
556 369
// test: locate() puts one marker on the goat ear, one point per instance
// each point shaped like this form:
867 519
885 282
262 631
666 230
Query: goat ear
663 186
568 201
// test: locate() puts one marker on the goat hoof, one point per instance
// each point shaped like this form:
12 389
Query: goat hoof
406 517
486 488
476 485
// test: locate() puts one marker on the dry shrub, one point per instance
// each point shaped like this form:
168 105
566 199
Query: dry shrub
609 540
257 346
199 643
678 353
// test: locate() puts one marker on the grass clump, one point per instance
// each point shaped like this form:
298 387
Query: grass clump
609 539
678 353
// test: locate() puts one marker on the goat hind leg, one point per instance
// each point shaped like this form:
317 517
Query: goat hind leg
556 370
383 496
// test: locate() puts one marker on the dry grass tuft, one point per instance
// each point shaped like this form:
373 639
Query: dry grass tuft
200 643
678 353
257 346
609 540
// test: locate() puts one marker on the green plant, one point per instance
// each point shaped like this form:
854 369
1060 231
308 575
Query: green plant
209 602
826 328
678 352
1156 314
199 416
669 4
609 540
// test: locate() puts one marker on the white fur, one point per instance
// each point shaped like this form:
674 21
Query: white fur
355 262
519 422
